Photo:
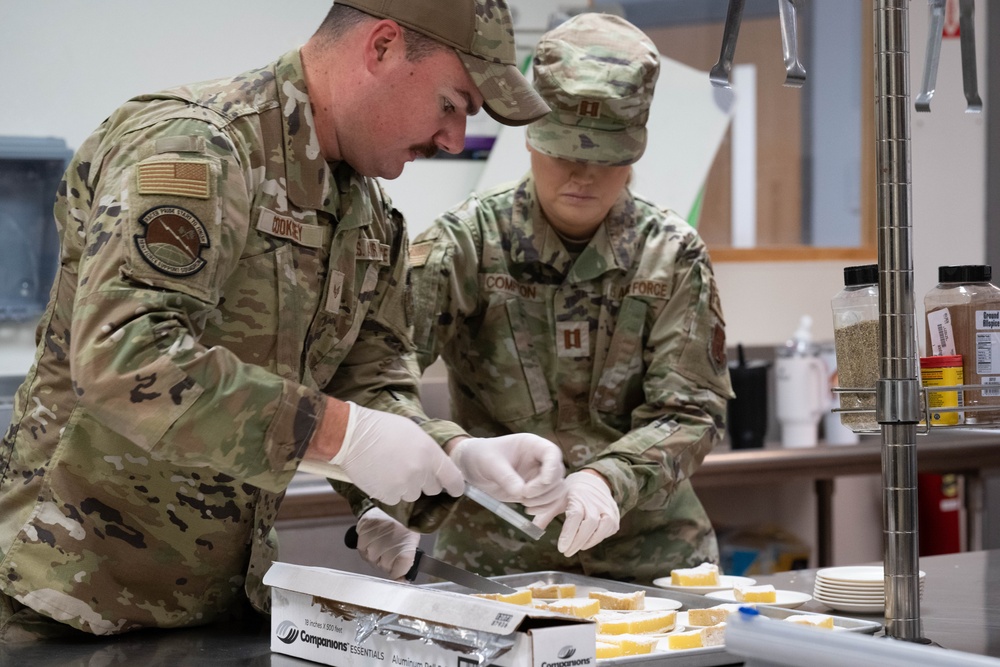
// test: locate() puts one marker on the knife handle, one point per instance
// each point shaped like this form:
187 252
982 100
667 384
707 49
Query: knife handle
411 574
351 542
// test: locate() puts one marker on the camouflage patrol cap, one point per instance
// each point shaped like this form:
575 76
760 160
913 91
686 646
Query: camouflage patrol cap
482 32
597 73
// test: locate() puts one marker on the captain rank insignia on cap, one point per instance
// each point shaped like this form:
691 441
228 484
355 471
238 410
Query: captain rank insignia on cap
589 109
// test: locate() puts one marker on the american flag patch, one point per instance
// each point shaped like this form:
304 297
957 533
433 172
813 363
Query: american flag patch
187 179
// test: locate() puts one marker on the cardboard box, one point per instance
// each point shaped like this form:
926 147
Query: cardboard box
761 550
316 614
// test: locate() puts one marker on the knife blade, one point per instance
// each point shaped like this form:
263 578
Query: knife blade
438 568
456 575
505 512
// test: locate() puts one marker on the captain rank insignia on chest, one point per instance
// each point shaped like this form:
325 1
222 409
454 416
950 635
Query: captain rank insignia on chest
573 339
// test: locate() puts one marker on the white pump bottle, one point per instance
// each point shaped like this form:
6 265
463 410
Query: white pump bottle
802 390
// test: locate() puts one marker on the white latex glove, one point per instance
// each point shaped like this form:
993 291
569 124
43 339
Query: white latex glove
591 513
516 468
391 459
386 543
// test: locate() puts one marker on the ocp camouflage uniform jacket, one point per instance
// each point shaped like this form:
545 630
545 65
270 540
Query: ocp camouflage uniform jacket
618 356
216 277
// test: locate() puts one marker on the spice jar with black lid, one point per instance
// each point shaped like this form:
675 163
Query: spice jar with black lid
856 341
963 318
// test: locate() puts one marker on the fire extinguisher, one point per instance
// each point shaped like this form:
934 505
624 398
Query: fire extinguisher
941 513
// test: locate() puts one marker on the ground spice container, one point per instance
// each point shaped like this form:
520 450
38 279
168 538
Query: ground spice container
857 343
963 317
943 371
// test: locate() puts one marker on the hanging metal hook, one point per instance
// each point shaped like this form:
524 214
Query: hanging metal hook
795 73
967 38
933 55
719 75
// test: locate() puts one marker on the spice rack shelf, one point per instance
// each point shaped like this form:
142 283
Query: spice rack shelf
925 426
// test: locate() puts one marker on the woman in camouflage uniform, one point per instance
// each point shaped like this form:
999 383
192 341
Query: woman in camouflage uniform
568 306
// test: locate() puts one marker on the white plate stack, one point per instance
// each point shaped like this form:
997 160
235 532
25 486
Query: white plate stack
858 588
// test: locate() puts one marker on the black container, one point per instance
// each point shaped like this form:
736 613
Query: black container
746 415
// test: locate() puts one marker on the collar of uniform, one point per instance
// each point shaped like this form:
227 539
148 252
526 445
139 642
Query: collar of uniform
357 198
532 238
307 175
616 241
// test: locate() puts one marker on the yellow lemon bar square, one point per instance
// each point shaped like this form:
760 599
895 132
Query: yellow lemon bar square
706 574
540 589
579 607
517 597
762 594
815 620
620 601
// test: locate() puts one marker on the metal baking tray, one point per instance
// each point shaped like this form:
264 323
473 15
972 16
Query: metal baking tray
698 657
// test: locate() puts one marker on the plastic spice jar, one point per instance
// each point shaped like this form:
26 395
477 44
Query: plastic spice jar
963 317
856 339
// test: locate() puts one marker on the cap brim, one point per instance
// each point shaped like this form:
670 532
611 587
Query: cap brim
508 97
584 144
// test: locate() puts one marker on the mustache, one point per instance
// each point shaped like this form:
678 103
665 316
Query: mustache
425 150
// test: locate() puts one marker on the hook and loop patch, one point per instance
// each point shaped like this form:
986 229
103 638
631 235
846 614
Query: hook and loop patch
172 240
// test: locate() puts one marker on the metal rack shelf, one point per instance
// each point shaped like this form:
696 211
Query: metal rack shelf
924 426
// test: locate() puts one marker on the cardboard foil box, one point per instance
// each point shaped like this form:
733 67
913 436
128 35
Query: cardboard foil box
352 620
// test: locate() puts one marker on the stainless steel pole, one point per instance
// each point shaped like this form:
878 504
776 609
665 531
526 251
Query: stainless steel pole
898 389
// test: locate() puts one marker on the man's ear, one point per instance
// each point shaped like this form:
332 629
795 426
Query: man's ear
383 38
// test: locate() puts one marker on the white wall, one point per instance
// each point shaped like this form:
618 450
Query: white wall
67 65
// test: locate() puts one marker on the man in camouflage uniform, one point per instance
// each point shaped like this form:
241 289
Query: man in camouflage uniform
601 333
231 293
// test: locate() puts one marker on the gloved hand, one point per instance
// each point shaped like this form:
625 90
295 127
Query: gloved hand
520 467
386 543
391 459
591 512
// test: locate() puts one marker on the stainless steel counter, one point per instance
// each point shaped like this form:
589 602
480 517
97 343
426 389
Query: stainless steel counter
243 645
960 611
960 608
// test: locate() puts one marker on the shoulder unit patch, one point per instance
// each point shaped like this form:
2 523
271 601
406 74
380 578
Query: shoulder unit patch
172 240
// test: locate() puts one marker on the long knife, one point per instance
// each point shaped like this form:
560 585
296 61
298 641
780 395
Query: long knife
505 512
438 568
